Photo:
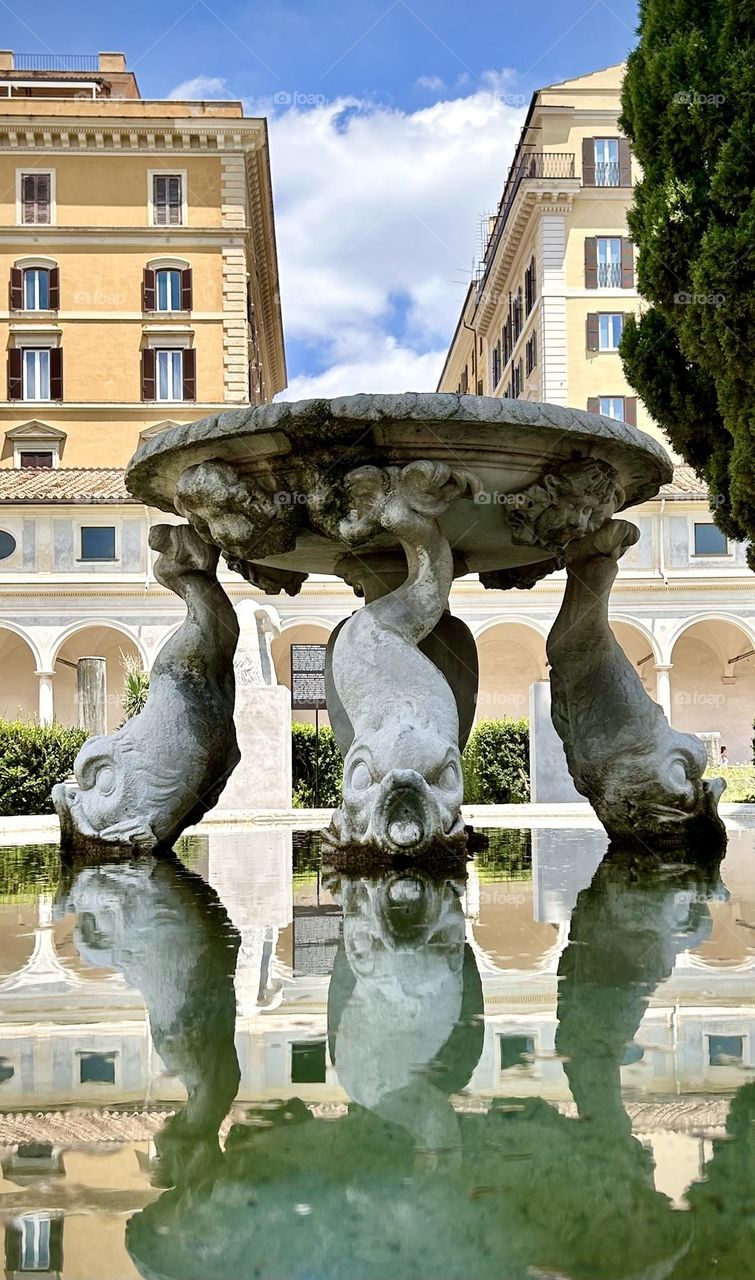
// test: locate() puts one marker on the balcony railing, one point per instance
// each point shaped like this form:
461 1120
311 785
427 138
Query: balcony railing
534 164
607 174
56 62
609 275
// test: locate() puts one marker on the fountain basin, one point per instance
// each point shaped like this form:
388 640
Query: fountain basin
291 459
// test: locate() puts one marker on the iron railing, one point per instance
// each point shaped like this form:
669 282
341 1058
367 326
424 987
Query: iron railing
56 62
533 164
607 174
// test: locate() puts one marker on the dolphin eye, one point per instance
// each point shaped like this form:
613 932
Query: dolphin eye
449 777
105 781
361 778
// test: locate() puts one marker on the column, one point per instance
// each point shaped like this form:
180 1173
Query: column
663 687
91 684
46 712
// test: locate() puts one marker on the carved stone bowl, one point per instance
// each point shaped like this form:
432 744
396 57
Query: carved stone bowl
270 485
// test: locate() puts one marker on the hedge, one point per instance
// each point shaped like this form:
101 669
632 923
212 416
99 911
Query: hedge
33 757
330 767
496 763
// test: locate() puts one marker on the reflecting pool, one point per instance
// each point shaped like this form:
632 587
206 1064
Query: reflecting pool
246 1062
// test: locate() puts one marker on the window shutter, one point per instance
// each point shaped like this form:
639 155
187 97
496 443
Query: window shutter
593 332
190 374
54 287
15 374
186 290
627 263
148 374
16 289
149 301
625 163
591 262
588 162
56 373
630 410
593 404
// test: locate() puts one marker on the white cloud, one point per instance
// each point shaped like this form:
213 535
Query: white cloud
200 87
434 83
378 214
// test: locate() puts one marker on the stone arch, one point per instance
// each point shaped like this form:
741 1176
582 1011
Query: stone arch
298 631
640 646
710 692
19 663
93 637
511 654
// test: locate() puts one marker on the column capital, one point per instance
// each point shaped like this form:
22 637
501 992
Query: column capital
663 666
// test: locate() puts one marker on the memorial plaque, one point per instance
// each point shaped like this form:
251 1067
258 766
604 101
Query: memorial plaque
308 677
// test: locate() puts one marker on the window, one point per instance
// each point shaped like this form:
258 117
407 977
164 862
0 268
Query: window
169 365
35 198
168 290
607 162
725 1051
34 1243
530 353
168 373
7 547
38 458
530 287
518 314
609 262
507 340
610 326
516 380
612 407
97 543
36 289
710 541
308 1062
36 373
496 375
516 1051
167 199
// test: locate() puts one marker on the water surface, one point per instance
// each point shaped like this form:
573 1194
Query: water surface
242 1063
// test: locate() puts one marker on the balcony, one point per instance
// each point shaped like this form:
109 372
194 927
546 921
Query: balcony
532 165
65 62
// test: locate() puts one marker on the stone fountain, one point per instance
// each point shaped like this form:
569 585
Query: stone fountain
396 495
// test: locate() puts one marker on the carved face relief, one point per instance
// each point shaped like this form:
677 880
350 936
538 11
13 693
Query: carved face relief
245 517
401 790
576 500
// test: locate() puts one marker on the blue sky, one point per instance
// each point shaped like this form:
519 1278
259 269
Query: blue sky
392 126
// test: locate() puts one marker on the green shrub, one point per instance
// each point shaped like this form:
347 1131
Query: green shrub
496 763
740 782
33 758
135 686
330 767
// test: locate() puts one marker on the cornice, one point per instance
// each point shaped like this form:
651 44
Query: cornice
545 195
154 136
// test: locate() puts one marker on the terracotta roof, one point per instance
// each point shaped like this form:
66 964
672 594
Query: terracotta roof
685 485
63 484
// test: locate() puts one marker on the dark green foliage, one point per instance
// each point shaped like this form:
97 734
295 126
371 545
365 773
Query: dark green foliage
689 112
330 767
496 763
26 871
33 758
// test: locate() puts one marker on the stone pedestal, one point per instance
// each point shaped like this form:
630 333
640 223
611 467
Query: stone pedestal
91 688
550 780
262 779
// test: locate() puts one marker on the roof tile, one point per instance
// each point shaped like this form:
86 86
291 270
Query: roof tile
63 485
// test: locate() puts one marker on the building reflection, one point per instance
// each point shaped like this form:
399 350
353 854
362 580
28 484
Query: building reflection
148 1008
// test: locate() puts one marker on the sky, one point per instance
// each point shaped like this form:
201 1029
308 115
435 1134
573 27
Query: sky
392 126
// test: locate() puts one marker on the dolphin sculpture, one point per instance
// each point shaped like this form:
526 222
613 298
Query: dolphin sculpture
142 785
643 778
402 782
